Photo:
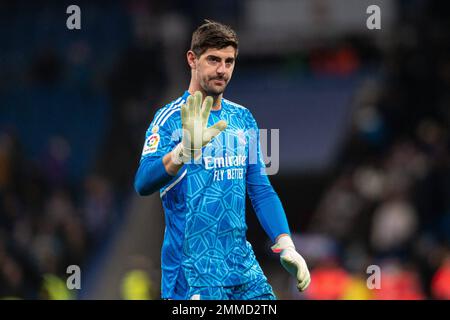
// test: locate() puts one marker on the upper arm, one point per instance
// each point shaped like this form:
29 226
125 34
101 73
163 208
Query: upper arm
160 138
256 163
162 135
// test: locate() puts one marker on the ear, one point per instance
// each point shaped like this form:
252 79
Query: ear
191 59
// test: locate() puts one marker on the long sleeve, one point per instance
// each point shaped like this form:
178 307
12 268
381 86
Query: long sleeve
160 138
151 176
265 200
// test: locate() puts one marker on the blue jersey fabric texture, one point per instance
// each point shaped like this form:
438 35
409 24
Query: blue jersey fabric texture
204 204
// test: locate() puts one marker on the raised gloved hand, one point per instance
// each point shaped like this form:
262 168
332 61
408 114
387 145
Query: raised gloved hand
196 135
292 261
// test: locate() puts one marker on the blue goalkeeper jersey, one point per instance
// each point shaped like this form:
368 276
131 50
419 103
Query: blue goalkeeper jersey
205 235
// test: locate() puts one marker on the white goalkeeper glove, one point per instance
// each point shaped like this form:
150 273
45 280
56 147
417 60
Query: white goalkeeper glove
194 119
292 261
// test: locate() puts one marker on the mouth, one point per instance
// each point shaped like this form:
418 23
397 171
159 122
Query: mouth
219 82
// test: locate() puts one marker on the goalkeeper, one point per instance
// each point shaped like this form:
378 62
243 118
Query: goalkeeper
202 153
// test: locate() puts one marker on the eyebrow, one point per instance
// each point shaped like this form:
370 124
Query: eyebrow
211 56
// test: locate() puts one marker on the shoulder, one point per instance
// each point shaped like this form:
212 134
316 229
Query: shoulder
168 114
242 111
235 106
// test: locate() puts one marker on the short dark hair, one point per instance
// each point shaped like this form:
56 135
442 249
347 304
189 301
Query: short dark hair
212 34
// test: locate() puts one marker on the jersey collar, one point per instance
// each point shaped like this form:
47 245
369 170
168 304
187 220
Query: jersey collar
187 94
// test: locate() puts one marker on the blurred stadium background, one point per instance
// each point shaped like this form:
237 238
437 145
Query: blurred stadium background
364 142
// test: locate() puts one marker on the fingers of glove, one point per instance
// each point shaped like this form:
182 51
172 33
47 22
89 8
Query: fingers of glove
295 264
207 105
303 276
289 264
184 114
305 283
302 286
214 130
302 268
190 106
219 126
198 97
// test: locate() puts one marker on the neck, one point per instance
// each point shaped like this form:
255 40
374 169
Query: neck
217 99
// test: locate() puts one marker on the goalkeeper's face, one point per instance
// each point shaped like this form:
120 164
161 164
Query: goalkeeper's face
214 68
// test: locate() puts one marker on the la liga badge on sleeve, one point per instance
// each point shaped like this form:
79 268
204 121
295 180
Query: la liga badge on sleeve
151 144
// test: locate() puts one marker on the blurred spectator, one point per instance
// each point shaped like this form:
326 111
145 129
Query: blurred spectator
329 282
55 288
136 285
98 207
398 283
440 285
55 161
11 276
338 209
356 289
394 225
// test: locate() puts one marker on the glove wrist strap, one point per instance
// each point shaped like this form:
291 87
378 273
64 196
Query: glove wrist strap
283 242
182 155
177 154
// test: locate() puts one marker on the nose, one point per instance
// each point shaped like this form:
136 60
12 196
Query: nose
221 68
